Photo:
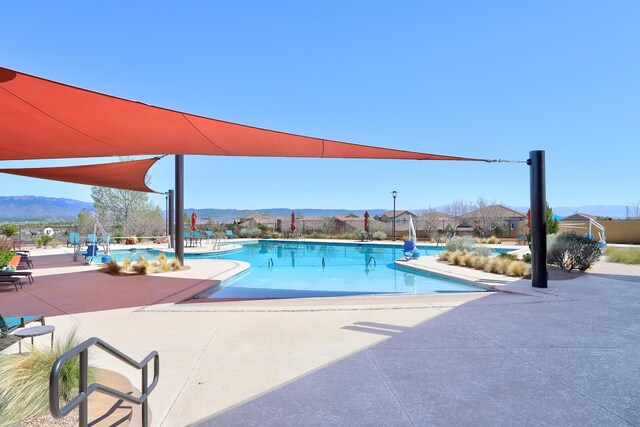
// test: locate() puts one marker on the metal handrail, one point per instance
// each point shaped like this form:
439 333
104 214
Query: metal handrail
85 390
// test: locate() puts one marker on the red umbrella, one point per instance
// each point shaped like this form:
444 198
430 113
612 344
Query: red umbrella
366 221
293 221
529 218
193 221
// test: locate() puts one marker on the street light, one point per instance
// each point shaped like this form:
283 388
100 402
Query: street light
393 228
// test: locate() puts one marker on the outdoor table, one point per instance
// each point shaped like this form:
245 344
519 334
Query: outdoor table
34 331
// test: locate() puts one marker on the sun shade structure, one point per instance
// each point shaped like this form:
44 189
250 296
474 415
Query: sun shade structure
129 175
42 119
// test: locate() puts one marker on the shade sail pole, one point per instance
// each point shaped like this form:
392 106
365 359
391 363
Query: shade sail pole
172 225
538 220
179 240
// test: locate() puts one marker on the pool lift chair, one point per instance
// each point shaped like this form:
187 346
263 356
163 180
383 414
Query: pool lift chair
93 255
409 249
602 242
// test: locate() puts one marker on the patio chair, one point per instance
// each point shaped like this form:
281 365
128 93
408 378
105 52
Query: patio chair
408 249
74 239
92 239
9 324
230 235
210 234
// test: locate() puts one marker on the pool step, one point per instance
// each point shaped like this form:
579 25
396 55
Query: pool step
105 410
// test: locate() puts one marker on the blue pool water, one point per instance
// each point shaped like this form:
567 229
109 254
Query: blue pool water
297 270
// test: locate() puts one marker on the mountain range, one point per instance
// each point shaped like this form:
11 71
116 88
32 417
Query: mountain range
35 208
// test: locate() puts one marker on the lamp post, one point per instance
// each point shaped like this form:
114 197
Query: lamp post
393 228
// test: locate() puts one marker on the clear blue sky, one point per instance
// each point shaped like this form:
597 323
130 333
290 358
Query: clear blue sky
491 79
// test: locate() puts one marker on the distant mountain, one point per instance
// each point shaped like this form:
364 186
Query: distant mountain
612 211
228 215
32 208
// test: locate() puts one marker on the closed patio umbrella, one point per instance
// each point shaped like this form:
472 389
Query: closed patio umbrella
193 221
366 221
293 221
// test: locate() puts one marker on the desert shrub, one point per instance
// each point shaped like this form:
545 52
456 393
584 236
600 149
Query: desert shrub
24 383
141 266
126 263
570 250
379 235
5 256
458 243
482 251
468 258
244 232
175 264
480 262
113 267
620 255
493 240
551 239
456 258
43 240
444 255
526 258
518 269
253 233
507 255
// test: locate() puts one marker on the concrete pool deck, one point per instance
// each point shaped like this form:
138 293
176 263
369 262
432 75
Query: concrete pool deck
567 355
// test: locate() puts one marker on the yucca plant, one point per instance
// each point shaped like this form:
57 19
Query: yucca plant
126 264
24 383
175 264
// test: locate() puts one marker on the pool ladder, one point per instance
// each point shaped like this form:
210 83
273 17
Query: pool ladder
375 263
324 264
270 263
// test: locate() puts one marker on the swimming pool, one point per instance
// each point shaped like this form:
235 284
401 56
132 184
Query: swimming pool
302 269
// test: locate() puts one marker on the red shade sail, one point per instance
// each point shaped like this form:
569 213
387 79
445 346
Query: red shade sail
42 119
128 175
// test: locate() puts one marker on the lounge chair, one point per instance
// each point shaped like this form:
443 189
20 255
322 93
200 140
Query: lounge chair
210 234
9 324
11 280
92 239
25 260
189 237
408 248
230 235
14 262
198 237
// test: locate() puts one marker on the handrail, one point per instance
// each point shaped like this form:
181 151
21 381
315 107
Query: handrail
85 390
372 258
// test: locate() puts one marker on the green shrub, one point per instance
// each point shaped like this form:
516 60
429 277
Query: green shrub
24 383
43 240
570 250
526 258
623 255
5 256
9 230
254 232
461 244
379 235
507 255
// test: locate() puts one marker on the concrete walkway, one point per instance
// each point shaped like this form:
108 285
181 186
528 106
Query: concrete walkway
564 356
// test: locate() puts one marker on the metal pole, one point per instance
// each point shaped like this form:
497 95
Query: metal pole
83 380
179 241
172 225
393 228
538 220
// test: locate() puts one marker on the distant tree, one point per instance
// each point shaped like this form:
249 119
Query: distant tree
456 210
635 209
552 223
127 212
429 220
85 222
8 230
485 221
